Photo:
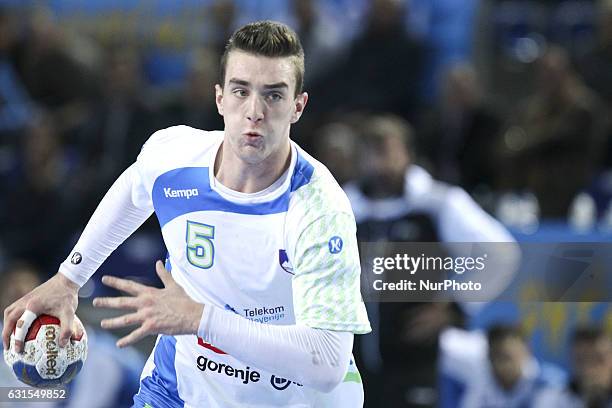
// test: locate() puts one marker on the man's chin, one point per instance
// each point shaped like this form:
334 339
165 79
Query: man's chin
252 155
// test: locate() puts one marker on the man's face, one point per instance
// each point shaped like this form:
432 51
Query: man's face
593 364
507 358
258 106
387 160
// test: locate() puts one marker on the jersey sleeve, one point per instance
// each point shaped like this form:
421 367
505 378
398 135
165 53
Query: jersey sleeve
326 285
126 205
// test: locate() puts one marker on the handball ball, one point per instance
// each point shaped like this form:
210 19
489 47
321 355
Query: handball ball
43 364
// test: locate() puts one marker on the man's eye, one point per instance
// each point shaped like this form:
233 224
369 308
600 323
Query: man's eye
275 97
240 93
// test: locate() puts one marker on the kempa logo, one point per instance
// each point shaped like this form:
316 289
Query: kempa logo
187 193
335 245
76 258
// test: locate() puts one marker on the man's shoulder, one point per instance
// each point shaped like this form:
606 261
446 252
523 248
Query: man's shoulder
182 137
315 191
177 147
174 148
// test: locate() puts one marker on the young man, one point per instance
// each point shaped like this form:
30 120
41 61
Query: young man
264 295
591 383
513 378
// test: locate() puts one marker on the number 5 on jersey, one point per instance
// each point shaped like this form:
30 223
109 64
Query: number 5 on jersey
200 249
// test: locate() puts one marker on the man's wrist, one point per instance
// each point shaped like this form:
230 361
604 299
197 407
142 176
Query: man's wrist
66 281
198 312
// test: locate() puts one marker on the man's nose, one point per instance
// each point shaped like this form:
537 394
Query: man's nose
255 109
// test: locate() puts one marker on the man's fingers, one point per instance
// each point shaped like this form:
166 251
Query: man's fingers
10 318
163 274
125 285
121 321
133 337
22 327
66 322
78 329
123 302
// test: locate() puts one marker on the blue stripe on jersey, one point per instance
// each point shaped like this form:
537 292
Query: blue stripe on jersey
302 173
184 190
160 389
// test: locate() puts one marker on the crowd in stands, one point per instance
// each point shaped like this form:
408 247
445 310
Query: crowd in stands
78 103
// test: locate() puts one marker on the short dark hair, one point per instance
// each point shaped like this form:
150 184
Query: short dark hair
588 334
270 39
500 332
378 127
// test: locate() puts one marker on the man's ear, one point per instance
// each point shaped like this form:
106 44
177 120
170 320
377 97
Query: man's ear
300 104
219 98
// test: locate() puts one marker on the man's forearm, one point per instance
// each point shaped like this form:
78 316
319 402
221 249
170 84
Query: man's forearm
313 357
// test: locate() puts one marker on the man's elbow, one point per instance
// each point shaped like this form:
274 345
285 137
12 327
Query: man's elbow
328 379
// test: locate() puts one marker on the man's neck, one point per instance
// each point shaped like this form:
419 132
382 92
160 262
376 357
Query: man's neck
243 177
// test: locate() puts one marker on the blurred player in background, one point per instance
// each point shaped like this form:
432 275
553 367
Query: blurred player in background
396 200
513 377
264 295
591 384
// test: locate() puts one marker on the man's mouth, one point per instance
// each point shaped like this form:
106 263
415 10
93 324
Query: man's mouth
253 137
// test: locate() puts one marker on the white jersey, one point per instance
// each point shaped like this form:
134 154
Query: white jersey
286 255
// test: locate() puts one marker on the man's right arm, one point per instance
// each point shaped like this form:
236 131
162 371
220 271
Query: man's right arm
122 210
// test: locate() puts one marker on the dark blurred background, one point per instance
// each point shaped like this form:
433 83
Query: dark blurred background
509 101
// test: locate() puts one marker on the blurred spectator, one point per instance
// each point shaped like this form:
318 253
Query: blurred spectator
594 65
382 69
336 147
120 122
321 39
17 280
514 377
120 367
591 385
462 360
448 28
40 178
223 16
52 77
555 149
15 104
395 200
195 105
462 136
389 175
595 68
